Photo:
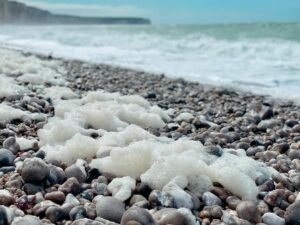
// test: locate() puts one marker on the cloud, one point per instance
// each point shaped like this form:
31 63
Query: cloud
86 9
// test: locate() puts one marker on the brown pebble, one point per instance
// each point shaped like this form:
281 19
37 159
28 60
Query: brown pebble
232 202
56 196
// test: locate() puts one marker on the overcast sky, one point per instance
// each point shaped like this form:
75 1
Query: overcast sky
179 11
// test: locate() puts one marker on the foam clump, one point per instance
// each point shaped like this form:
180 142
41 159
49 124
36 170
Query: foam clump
26 144
8 113
121 188
78 147
184 117
29 69
8 86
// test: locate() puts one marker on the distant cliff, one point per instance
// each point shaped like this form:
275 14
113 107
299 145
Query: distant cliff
12 12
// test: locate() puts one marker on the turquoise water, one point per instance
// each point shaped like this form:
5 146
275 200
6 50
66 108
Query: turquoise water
262 58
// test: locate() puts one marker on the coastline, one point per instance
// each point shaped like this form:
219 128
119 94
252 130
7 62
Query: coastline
227 122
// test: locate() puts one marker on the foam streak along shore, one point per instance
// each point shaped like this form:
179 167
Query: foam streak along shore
77 129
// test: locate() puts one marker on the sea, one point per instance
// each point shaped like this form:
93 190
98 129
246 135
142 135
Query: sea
263 58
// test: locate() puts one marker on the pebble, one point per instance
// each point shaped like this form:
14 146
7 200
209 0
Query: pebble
56 175
160 198
3 216
56 214
6 158
11 144
40 208
171 216
75 171
32 189
232 202
138 215
247 210
272 219
34 170
56 196
28 219
6 198
78 212
71 185
87 222
110 208
211 199
212 212
292 215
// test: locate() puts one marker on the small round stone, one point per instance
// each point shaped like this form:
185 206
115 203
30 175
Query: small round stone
32 189
56 196
78 212
292 215
75 171
28 219
56 214
247 210
171 216
34 170
272 219
6 158
211 199
137 215
70 186
6 198
86 222
3 216
233 201
11 144
110 208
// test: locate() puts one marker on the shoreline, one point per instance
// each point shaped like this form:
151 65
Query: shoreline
206 86
88 145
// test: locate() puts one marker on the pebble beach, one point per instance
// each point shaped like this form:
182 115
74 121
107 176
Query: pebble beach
93 144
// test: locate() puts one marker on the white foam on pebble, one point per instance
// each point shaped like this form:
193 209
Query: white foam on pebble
8 113
184 117
121 188
8 86
126 149
25 143
30 69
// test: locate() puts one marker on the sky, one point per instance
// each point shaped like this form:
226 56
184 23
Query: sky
180 11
